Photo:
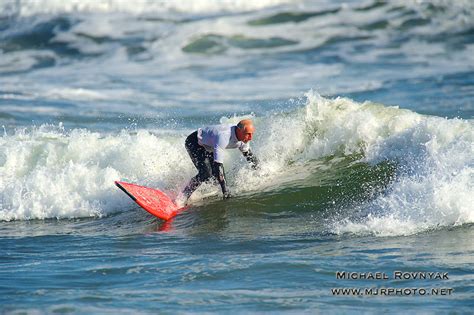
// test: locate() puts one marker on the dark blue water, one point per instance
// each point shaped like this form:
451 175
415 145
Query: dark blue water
364 127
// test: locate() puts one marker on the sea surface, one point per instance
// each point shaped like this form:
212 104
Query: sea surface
365 133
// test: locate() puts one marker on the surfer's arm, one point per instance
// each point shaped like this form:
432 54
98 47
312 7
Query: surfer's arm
251 158
218 170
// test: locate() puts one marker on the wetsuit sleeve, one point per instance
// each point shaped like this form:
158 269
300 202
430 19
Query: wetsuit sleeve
251 158
244 147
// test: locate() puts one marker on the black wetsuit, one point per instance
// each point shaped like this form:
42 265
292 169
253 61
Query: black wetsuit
206 166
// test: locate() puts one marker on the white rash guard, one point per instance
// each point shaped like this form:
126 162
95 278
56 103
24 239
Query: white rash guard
219 137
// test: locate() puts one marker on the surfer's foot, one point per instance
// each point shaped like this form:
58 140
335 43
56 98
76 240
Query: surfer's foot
181 200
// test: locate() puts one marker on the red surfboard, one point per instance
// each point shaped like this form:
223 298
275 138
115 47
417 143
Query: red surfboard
152 200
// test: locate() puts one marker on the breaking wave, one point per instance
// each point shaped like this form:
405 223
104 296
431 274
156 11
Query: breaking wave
50 172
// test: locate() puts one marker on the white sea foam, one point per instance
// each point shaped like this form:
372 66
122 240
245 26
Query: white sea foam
30 7
50 173
435 184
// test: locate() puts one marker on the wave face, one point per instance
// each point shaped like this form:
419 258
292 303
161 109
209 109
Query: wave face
410 172
433 185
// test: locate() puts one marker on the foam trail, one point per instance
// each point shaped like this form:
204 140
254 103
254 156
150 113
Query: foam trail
51 173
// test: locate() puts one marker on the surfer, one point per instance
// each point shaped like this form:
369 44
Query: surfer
206 147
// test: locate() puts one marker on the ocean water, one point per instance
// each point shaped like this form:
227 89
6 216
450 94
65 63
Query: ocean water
364 116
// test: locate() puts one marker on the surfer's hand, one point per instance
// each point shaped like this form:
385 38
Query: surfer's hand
252 159
227 195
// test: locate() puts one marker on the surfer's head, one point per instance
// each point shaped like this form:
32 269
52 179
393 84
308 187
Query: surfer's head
245 130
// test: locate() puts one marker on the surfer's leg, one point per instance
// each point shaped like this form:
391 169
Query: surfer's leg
191 187
201 161
193 148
